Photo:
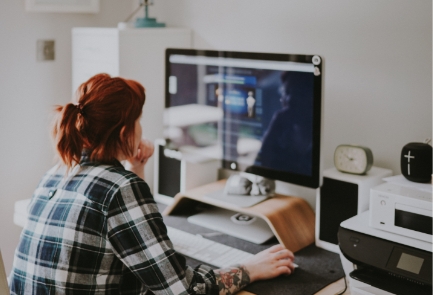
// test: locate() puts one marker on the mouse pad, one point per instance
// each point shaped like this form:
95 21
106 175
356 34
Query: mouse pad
317 267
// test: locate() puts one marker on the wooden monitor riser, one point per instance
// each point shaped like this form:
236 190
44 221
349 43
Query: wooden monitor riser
290 218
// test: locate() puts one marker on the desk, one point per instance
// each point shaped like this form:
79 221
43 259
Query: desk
331 289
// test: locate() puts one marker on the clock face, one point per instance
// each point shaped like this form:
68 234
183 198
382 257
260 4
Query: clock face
353 159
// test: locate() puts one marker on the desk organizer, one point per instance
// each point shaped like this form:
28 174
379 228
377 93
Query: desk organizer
291 219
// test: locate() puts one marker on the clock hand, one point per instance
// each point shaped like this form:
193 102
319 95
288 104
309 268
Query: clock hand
351 159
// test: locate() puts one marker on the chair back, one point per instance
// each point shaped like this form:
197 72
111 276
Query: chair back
4 288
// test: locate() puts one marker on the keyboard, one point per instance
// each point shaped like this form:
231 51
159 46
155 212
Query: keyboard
205 250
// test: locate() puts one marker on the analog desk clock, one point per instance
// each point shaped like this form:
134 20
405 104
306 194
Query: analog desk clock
354 159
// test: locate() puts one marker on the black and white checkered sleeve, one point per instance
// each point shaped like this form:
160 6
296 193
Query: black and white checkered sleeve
139 238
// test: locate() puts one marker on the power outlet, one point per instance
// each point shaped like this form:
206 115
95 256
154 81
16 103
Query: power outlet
45 50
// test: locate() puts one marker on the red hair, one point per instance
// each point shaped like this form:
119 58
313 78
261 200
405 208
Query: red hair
103 121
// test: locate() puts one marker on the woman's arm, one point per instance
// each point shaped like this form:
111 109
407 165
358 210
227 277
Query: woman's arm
138 237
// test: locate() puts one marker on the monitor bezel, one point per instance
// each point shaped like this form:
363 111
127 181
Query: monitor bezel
312 181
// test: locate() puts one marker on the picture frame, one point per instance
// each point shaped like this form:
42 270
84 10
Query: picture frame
72 6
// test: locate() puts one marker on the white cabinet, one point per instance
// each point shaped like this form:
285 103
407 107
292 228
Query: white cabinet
94 51
137 54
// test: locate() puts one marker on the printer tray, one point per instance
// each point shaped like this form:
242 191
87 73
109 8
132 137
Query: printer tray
389 283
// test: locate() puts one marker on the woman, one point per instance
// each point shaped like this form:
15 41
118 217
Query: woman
94 227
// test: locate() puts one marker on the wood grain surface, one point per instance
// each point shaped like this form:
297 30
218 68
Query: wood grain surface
290 218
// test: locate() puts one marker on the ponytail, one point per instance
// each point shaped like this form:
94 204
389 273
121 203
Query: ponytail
67 134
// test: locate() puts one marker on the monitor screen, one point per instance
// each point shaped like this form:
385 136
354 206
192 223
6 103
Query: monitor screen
257 112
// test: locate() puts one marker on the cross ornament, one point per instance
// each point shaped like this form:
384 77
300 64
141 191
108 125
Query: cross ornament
408 156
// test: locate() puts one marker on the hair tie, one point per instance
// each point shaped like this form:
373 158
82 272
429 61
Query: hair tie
80 108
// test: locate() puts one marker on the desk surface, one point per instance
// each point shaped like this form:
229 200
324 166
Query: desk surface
332 289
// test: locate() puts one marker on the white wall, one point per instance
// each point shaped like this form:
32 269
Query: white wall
28 90
378 59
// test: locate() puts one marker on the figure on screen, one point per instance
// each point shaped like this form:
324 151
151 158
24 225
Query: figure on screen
287 143
251 101
220 96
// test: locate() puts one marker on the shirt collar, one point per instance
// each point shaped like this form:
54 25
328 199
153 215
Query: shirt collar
86 161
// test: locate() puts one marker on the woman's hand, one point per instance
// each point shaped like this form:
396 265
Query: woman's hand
137 163
270 263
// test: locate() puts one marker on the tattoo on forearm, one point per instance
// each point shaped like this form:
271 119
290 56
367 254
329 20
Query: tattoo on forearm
232 279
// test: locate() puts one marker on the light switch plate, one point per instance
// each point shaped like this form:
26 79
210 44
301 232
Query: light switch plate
45 50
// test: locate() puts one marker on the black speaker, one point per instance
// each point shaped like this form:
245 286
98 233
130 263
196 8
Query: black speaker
339 201
416 162
168 173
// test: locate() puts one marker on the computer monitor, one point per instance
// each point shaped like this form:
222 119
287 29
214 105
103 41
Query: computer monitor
257 112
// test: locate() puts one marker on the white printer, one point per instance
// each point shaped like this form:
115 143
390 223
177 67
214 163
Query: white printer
385 263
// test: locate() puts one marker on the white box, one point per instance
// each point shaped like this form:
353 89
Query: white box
402 210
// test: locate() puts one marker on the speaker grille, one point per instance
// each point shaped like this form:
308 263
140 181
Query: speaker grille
169 175
338 202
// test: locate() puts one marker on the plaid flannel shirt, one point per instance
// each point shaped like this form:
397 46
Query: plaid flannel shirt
98 230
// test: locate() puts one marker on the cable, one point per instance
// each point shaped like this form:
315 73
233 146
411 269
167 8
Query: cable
135 11
345 287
